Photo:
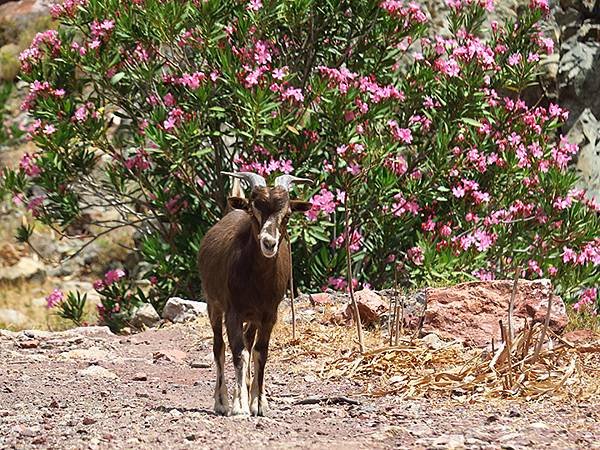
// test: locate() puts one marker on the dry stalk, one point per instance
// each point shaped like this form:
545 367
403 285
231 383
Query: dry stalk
359 330
538 346
293 306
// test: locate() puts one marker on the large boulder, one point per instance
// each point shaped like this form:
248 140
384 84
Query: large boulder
470 312
179 310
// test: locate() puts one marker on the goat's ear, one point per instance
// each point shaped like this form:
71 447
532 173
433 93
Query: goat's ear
300 206
238 202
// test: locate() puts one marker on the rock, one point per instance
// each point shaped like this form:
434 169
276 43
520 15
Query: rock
24 10
321 298
26 269
95 371
586 134
31 343
433 341
469 312
371 306
140 376
173 355
145 316
582 336
12 317
200 365
577 77
179 310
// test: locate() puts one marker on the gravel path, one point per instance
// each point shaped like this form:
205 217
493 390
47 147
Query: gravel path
91 389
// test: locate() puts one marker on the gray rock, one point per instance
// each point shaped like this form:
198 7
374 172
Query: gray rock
586 134
12 317
145 316
179 310
578 78
26 269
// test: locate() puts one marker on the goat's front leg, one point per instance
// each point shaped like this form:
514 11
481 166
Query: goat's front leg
241 361
221 400
258 404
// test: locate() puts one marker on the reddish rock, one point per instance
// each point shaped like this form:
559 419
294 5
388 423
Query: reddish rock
23 10
470 312
171 355
371 306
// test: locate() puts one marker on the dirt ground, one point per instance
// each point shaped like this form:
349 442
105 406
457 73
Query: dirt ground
87 388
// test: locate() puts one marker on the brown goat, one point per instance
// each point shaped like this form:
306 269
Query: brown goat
244 264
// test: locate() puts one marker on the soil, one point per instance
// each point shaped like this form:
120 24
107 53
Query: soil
88 388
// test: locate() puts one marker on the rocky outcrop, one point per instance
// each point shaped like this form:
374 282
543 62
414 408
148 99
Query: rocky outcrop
470 312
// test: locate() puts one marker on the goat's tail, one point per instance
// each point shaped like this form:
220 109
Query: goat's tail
236 189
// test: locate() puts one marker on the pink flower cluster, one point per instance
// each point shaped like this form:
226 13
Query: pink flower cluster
403 135
29 166
54 298
139 162
355 244
416 255
402 206
110 277
67 8
83 112
589 253
32 55
409 12
325 202
587 301
40 89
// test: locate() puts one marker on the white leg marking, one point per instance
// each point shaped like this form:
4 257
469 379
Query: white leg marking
258 400
240 394
221 397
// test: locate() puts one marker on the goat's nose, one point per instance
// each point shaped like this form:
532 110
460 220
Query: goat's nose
268 243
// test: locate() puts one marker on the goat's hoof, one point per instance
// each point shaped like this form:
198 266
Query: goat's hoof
260 408
221 409
239 411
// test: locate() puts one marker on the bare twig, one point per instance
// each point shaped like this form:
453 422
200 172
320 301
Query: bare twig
361 342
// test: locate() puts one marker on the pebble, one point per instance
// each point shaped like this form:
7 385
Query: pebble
98 372
30 343
200 365
140 376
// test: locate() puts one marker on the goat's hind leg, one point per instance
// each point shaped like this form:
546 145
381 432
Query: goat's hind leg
221 398
241 361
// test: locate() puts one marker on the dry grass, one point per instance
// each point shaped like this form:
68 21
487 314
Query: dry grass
527 370
578 321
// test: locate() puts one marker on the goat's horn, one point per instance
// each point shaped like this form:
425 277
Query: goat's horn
252 179
285 181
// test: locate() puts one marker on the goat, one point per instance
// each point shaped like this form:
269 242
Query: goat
244 263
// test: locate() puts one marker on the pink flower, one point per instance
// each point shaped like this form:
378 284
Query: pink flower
279 74
415 254
98 285
49 129
112 276
514 59
54 298
400 134
588 298
29 166
169 100
569 255
34 205
254 5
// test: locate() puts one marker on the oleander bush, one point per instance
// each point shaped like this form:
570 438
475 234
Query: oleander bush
445 173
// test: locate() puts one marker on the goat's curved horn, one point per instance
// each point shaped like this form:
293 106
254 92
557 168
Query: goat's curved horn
285 181
252 179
